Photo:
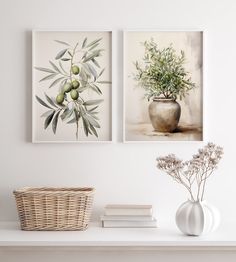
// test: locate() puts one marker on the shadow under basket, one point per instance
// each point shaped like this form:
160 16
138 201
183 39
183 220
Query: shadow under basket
48 208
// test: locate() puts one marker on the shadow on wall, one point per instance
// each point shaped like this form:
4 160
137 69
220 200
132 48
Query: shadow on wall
28 86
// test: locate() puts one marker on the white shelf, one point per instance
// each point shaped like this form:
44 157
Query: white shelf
130 238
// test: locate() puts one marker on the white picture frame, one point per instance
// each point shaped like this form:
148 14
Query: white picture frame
43 47
131 40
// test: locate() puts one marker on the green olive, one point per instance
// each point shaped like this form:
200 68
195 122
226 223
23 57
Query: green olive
60 98
74 94
75 84
67 87
75 70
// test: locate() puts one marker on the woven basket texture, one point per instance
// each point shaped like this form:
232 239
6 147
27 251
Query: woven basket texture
49 208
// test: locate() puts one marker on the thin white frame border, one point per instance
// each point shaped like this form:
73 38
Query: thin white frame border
34 31
203 85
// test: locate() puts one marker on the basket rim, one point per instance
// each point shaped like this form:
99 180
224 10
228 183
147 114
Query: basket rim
55 190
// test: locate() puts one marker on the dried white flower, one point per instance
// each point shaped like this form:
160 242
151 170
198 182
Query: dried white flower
192 174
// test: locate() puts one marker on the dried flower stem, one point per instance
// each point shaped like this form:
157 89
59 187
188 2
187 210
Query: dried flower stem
194 173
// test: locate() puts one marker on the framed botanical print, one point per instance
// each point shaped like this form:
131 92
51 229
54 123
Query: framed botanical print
72 86
163 86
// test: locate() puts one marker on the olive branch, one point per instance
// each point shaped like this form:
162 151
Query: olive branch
74 71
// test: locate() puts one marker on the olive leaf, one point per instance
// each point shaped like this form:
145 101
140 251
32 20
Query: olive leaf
64 114
62 68
82 89
93 114
82 110
101 72
92 121
48 77
86 70
98 51
94 46
55 121
93 130
84 55
93 102
94 42
93 71
54 66
61 42
89 69
48 120
61 54
77 114
85 125
56 81
98 89
75 117
94 54
47 113
83 75
43 69
104 82
92 109
73 120
67 113
90 57
84 42
95 89
50 101
42 102
95 62
66 59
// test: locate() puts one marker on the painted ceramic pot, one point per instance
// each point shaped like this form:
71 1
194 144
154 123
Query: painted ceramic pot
164 114
195 218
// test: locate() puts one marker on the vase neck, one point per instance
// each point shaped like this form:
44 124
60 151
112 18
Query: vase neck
163 99
197 201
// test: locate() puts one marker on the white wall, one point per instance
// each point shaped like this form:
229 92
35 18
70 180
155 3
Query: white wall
121 173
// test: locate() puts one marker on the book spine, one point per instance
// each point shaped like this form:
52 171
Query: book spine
128 212
130 224
127 218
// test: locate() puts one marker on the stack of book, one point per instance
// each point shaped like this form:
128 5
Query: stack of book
128 216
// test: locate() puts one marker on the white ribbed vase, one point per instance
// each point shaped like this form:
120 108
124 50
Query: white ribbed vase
195 218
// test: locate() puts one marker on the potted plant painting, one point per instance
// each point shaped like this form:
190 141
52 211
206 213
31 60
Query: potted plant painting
74 73
195 216
163 77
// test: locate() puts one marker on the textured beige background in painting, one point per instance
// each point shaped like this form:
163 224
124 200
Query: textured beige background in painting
45 49
136 107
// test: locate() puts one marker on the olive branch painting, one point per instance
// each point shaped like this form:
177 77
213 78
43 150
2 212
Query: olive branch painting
73 86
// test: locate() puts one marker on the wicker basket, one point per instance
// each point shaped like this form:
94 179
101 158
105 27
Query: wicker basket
54 208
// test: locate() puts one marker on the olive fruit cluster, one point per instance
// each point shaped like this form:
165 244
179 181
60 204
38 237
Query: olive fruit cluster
70 87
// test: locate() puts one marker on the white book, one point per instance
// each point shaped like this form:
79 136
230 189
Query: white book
129 224
128 210
127 218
